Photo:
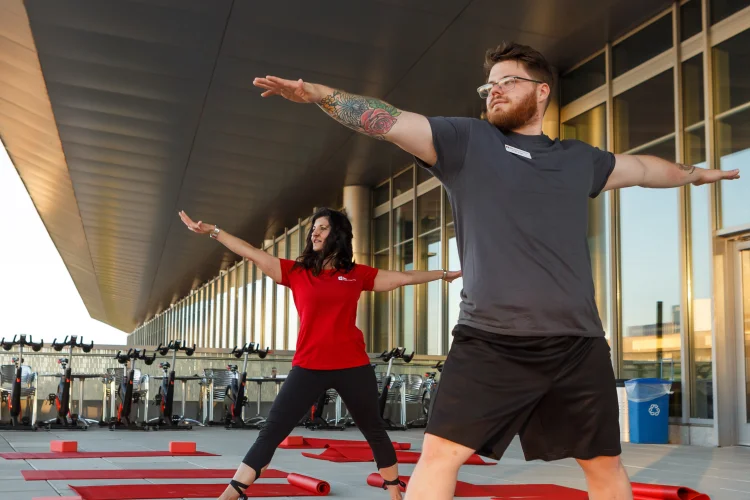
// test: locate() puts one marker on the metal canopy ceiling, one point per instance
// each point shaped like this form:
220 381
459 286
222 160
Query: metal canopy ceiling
119 114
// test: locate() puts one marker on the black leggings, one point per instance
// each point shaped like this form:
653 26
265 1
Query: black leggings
356 386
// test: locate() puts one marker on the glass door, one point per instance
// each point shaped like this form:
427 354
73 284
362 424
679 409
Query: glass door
743 340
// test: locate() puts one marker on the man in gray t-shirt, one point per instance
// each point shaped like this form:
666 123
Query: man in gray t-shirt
529 355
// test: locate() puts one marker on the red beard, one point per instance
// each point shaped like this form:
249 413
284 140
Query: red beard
516 117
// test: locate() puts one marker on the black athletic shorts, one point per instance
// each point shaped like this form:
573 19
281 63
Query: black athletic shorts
557 393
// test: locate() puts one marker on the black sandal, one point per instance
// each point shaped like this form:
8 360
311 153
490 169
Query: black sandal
239 487
394 482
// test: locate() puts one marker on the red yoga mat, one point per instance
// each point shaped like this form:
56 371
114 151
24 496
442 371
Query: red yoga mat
502 491
55 475
298 486
101 454
357 454
292 443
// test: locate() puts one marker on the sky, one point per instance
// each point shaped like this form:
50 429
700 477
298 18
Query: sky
38 296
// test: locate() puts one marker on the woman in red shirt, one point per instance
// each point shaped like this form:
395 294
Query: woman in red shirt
330 353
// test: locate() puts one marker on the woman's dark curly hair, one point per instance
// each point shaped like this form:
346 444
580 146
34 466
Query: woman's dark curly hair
337 247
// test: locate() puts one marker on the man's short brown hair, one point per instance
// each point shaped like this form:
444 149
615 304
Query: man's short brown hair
533 61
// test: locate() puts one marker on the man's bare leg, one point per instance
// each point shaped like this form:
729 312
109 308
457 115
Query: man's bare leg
606 479
435 475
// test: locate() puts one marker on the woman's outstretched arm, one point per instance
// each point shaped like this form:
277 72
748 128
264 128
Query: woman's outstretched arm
270 265
390 280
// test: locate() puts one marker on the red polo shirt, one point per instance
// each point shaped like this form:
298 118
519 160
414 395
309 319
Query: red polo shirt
327 304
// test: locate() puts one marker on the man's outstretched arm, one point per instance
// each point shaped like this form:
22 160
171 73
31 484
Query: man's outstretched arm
653 172
366 115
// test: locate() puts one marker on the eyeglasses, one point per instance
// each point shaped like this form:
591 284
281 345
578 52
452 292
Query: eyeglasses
506 85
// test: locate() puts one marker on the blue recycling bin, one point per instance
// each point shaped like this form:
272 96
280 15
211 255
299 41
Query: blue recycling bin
648 410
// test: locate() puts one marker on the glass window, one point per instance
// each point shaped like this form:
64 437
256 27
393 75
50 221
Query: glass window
690 19
644 113
403 228
721 9
650 288
456 286
642 46
582 80
404 299
692 91
380 230
268 311
231 332
428 211
701 400
258 336
591 128
731 65
380 326
280 302
242 301
381 194
423 175
249 316
293 316
733 145
403 182
223 312
429 324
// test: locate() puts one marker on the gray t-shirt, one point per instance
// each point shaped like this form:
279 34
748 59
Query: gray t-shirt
520 204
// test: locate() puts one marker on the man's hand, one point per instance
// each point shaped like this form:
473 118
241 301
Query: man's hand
712 175
295 91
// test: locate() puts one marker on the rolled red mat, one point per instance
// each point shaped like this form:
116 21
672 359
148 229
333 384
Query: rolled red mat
310 484
376 480
643 491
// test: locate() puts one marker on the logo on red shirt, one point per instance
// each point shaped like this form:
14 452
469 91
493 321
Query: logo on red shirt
341 278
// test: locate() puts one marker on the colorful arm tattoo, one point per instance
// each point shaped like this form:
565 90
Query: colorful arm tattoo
366 115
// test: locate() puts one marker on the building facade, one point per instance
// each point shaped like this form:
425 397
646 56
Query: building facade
671 267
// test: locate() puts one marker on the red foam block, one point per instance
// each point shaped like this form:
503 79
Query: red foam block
182 447
296 486
63 446
101 454
293 443
57 475
357 454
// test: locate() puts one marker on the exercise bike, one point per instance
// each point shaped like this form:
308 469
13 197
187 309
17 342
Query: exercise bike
235 395
65 419
429 391
127 397
315 421
165 397
390 357
17 422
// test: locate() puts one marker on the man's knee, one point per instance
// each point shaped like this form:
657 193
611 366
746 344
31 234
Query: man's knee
601 467
439 450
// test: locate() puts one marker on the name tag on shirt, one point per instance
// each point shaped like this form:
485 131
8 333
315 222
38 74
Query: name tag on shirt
516 151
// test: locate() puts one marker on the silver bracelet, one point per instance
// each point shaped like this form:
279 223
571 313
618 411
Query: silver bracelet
215 233
445 274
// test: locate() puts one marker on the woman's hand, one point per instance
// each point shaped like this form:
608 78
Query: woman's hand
452 275
196 227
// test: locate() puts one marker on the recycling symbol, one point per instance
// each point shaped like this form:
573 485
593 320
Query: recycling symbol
654 410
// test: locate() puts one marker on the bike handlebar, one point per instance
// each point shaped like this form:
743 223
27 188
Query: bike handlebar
250 348
397 353
175 345
36 347
73 342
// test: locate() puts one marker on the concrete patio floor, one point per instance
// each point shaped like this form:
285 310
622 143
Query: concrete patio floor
722 473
